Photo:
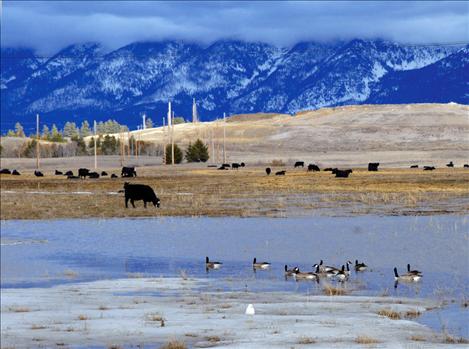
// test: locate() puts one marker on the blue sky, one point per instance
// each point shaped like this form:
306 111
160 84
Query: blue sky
48 26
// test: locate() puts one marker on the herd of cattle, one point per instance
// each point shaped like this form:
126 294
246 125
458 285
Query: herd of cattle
141 192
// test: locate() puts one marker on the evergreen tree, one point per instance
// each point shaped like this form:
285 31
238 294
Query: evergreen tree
109 145
198 152
70 130
178 120
45 132
19 131
81 146
148 123
177 154
85 129
55 134
11 133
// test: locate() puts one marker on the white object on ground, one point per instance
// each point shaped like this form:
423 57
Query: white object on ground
250 310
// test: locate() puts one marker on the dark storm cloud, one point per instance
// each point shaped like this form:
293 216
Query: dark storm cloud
51 25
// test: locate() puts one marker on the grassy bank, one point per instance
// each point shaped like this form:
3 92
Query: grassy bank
196 191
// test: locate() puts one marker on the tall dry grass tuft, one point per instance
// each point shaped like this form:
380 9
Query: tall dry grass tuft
174 344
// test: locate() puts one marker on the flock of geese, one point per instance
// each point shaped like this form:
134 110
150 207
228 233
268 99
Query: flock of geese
325 271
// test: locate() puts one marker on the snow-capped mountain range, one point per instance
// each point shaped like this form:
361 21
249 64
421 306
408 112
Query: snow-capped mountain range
85 82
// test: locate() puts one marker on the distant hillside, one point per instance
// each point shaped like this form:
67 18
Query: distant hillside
83 82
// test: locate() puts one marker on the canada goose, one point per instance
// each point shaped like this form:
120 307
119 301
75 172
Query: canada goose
325 268
263 265
406 277
212 265
413 272
327 274
290 272
347 271
305 275
341 275
360 266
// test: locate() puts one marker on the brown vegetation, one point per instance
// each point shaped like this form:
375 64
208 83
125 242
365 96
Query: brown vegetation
366 340
393 315
197 191
174 344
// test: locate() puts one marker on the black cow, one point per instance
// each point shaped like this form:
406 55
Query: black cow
93 175
330 169
299 164
103 173
428 168
72 177
223 167
226 165
235 165
280 173
68 173
128 172
83 172
466 166
114 175
5 171
58 173
15 173
38 173
341 173
313 167
373 166
136 192
268 171
414 166
450 164
242 164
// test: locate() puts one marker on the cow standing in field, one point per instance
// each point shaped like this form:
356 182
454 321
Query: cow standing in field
15 173
313 167
299 164
136 192
235 165
268 171
373 166
342 173
83 172
128 172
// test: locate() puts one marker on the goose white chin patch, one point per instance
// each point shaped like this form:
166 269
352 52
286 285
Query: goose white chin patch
250 310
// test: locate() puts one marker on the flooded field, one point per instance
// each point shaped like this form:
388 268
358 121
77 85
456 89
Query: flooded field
46 253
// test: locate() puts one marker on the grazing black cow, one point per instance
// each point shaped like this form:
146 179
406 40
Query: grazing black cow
128 172
223 167
313 167
268 171
342 173
235 165
280 173
58 173
242 164
450 164
5 171
466 166
72 177
68 173
38 173
299 164
103 173
373 166
93 175
330 169
226 165
414 166
136 192
428 168
15 173
114 176
83 172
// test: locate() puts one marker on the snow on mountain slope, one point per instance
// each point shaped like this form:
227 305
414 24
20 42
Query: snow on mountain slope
81 81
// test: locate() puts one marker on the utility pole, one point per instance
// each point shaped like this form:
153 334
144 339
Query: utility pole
164 141
213 145
144 126
95 150
37 141
121 152
136 141
224 138
172 138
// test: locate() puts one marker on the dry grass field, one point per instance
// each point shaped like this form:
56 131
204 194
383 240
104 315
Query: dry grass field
201 191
